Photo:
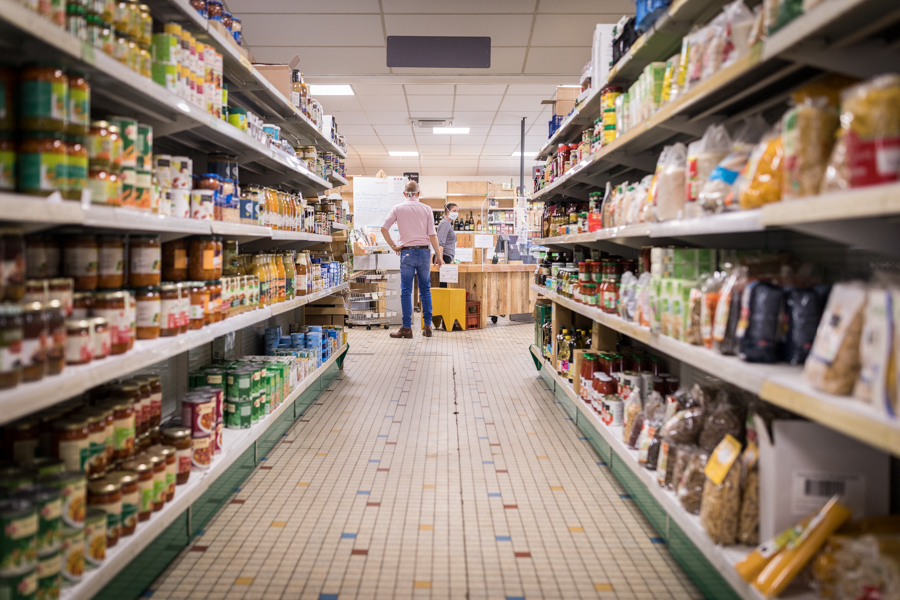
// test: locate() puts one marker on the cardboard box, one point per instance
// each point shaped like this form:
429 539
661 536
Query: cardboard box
323 319
803 464
325 309
565 99
278 75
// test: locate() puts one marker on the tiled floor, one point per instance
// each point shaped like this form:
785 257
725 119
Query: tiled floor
432 468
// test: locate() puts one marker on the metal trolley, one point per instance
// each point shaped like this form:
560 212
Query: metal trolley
368 295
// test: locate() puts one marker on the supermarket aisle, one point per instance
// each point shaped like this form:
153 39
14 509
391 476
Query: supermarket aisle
433 468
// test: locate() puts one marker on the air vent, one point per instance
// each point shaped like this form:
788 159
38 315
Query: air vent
429 123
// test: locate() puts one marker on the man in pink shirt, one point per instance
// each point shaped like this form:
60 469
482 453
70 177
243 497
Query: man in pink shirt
416 224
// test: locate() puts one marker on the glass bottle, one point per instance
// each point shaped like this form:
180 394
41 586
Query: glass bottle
564 356
258 269
281 294
273 279
547 345
290 276
302 283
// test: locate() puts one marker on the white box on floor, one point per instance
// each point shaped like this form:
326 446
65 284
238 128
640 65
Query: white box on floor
804 464
389 261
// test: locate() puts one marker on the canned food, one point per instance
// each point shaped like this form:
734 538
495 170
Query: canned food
19 587
72 554
18 537
240 385
73 491
48 504
628 382
612 411
202 451
198 411
94 542
48 576
238 413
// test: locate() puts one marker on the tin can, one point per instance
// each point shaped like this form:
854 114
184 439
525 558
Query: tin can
144 150
94 537
238 413
15 479
48 574
72 553
215 378
179 203
239 384
218 394
612 411
19 587
202 451
18 537
219 437
198 411
203 204
48 504
128 131
628 382
73 490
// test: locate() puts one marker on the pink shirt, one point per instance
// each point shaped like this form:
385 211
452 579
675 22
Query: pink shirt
415 222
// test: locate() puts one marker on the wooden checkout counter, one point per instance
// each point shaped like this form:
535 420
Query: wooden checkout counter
501 289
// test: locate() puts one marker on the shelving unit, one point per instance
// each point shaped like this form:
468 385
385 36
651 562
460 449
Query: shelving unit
236 442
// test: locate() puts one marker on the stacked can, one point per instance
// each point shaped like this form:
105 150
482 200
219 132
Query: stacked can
239 398
298 340
174 176
273 339
314 343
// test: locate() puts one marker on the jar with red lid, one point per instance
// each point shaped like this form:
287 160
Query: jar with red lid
60 288
180 439
100 335
596 271
82 302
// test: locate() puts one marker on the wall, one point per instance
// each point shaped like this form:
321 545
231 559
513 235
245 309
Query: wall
436 185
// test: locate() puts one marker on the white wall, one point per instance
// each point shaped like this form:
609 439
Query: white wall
436 185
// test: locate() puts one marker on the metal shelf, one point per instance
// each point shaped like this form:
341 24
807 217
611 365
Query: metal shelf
28 398
337 179
235 443
782 385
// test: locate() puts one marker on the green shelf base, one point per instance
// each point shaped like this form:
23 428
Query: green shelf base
537 363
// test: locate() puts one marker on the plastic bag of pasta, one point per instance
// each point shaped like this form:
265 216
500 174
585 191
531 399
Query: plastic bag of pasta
748 527
725 419
760 181
834 363
870 116
721 500
690 490
807 136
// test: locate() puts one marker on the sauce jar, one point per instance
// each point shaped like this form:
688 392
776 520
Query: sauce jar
149 310
170 311
202 449
184 319
142 466
41 257
79 343
214 313
202 259
118 149
180 439
111 262
60 289
56 337
12 276
97 431
106 495
131 392
151 398
99 146
42 163
158 462
124 425
113 306
35 329
44 94
81 261
145 260
79 109
11 333
100 334
72 442
99 184
168 453
76 167
131 498
8 158
199 304
175 260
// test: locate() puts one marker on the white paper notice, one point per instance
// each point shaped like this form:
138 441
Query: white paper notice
464 254
489 254
449 274
484 241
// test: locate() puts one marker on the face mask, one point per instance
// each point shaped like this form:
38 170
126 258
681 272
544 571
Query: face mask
453 216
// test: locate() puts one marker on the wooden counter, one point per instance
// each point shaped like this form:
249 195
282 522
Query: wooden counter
501 289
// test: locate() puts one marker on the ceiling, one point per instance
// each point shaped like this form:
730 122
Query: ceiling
536 45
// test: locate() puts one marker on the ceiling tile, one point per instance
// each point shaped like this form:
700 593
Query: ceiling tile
530 104
440 104
388 140
458 6
388 118
474 89
569 30
369 149
467 150
429 114
392 129
414 89
557 60
375 103
432 140
586 7
357 131
503 29
476 103
317 29
303 7
352 118
450 171
378 89
329 60
332 104
514 118
507 129
547 91
425 151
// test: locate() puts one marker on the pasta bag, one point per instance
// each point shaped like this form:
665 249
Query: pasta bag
720 507
833 364
870 116
760 182
807 136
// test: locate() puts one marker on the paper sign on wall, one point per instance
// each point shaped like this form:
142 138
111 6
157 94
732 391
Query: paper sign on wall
489 254
484 241
464 254
449 274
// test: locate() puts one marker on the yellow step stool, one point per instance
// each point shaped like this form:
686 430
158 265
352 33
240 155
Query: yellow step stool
450 305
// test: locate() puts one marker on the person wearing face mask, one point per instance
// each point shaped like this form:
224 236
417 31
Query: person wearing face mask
446 235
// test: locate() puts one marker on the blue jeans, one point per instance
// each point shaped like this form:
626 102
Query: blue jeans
415 262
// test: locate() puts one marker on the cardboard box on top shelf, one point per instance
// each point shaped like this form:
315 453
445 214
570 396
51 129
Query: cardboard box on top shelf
803 464
565 99
278 75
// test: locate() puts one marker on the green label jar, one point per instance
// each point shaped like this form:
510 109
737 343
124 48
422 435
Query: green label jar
45 99
79 108
42 164
7 165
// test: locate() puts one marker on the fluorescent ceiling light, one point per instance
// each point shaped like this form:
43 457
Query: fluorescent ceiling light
330 90
527 154
458 130
403 153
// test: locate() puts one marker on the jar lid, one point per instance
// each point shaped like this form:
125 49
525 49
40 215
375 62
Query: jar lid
128 387
176 433
77 324
139 464
71 424
99 322
168 287
124 477
152 457
32 307
161 450
111 296
103 486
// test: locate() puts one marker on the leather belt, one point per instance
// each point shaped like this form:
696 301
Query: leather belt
415 247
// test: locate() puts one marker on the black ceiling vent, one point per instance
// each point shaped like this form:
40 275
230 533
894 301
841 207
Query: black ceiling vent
438 52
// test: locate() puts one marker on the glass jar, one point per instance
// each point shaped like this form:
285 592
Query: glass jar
44 91
113 306
158 462
117 148
99 146
229 258
144 470
184 314
111 252
170 310
12 276
214 10
71 442
79 107
97 455
145 259
175 260
106 495
200 7
11 333
128 484
81 260
168 454
199 304
79 344
124 426
42 163
76 167
180 439
61 289
214 313
149 310
202 259
56 337
34 341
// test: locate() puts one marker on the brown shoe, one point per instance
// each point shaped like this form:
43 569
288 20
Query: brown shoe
427 331
402 333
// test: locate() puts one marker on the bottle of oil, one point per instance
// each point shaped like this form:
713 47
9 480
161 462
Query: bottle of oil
564 357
